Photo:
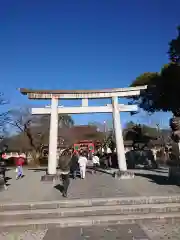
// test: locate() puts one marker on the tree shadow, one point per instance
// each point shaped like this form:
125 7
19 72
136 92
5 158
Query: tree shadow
38 169
4 182
158 179
102 170
8 178
160 170
98 169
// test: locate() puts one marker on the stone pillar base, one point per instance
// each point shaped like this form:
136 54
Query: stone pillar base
123 175
50 177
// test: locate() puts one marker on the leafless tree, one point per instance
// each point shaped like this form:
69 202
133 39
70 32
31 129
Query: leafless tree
35 128
25 125
4 116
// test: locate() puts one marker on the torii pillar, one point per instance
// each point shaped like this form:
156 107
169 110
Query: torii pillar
53 137
119 136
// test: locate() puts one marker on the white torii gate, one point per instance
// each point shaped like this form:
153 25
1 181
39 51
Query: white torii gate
115 108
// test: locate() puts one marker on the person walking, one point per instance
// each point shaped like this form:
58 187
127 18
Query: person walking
96 163
109 155
19 166
74 164
64 165
82 164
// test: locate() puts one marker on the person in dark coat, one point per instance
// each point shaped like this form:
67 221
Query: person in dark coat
65 165
74 164
3 166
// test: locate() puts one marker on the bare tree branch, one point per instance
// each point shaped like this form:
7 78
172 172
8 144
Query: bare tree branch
4 117
35 127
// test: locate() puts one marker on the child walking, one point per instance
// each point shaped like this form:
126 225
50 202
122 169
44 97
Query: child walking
19 167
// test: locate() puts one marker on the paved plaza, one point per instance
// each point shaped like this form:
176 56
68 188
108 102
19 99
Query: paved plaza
30 188
145 183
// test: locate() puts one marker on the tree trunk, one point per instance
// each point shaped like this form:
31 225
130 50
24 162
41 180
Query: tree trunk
34 156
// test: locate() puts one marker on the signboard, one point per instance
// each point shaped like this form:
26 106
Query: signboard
84 145
76 147
91 147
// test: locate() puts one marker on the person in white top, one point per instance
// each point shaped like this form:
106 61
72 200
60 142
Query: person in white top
95 160
108 150
82 164
109 153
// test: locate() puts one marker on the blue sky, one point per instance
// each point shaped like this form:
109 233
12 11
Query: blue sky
82 44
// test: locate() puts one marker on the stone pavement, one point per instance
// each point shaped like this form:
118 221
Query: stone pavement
159 231
127 232
26 235
30 188
146 183
150 231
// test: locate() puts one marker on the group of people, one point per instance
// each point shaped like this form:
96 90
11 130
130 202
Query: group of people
19 162
70 163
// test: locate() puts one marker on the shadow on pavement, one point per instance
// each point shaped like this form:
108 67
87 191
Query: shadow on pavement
38 169
8 178
158 179
160 170
59 187
2 182
100 170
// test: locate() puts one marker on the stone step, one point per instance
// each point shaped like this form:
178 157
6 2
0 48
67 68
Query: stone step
89 211
87 221
89 202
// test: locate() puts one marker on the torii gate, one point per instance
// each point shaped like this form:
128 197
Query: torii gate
115 108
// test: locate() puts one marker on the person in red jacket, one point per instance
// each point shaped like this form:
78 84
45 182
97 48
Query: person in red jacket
19 166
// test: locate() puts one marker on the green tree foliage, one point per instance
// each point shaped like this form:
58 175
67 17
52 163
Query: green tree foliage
109 141
163 88
174 48
162 93
147 130
140 135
